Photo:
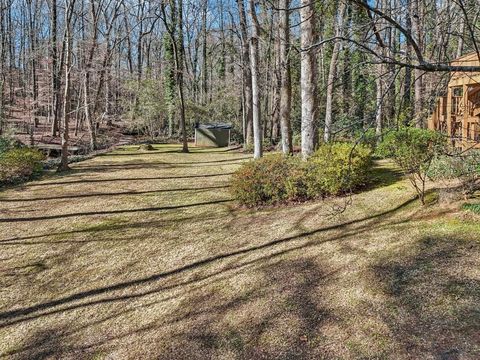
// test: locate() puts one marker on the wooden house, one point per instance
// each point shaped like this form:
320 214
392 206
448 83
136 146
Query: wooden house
457 114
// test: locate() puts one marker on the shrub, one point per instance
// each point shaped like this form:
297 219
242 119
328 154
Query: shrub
368 138
337 168
475 208
264 181
462 167
413 150
7 142
333 169
19 164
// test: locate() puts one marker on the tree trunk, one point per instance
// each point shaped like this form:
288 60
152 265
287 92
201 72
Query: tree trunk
285 86
55 77
69 5
332 73
247 77
416 15
257 122
308 79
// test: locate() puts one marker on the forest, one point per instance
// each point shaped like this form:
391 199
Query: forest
239 179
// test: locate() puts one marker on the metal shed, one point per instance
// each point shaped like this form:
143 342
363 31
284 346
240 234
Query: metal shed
212 135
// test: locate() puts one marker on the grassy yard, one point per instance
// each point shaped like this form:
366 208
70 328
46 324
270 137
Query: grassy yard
137 255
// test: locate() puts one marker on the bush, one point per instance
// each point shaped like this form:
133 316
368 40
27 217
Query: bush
475 208
333 169
462 167
19 164
53 163
264 181
413 150
368 138
8 142
337 168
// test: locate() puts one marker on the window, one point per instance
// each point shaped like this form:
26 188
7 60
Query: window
457 91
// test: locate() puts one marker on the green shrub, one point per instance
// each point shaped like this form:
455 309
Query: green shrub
7 143
263 181
463 167
332 170
368 138
413 150
475 208
19 164
337 168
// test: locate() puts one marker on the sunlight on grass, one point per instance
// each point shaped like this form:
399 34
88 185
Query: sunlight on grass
154 254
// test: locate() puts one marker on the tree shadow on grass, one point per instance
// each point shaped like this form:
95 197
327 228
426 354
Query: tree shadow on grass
121 193
434 302
18 315
382 176
89 181
288 327
111 212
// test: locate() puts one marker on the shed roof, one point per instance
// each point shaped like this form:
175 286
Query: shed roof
213 126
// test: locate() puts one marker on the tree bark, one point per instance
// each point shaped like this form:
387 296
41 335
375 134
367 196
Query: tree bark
332 73
69 6
257 122
308 79
285 85
416 15
247 77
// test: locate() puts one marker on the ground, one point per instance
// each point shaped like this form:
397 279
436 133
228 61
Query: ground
143 254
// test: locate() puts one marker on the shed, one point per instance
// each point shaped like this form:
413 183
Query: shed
212 135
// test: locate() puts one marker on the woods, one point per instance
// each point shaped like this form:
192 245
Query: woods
283 72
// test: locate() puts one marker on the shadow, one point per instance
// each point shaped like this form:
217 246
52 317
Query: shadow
382 176
436 302
294 322
15 316
43 344
97 228
132 192
110 212
88 181
148 165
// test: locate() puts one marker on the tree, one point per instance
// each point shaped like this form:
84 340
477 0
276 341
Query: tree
285 78
67 40
257 124
308 78
332 73
246 78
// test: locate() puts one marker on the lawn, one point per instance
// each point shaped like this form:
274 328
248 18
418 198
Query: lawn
136 255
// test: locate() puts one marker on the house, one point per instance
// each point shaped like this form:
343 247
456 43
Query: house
458 113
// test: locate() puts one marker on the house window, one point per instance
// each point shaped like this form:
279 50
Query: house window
458 91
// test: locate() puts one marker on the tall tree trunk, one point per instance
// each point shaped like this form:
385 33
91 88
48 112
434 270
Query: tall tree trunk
285 87
332 73
257 121
204 53
417 18
247 77
308 79
379 102
55 70
69 7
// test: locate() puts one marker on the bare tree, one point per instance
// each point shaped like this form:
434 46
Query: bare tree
308 79
332 73
246 77
285 86
67 39
257 122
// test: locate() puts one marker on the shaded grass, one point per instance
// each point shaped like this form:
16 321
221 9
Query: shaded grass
87 272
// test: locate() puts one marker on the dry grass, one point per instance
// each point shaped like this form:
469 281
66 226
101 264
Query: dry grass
143 255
